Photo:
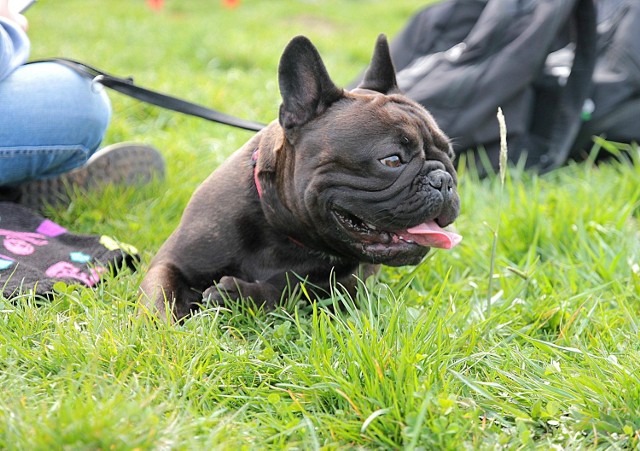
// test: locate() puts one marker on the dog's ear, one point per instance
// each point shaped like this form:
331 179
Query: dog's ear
305 86
380 75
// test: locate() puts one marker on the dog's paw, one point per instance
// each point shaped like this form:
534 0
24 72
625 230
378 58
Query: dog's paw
230 289
227 289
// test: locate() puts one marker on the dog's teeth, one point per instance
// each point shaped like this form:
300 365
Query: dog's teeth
371 226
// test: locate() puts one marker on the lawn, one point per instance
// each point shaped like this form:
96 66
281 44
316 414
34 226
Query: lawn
424 357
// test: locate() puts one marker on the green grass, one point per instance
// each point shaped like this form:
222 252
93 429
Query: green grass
417 360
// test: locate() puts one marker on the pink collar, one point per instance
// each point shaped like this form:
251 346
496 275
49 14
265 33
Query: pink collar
254 161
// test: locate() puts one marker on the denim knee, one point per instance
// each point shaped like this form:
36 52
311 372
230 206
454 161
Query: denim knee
51 120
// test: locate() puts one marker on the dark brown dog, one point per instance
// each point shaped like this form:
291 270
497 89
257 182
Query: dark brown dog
344 179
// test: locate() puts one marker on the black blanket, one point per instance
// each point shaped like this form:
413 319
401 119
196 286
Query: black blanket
35 253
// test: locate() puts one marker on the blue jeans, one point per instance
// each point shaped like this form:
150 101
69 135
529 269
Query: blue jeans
51 121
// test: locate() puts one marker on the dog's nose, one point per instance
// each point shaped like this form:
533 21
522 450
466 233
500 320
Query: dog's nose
441 180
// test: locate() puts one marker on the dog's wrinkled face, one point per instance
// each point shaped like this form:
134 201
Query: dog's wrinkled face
374 182
374 174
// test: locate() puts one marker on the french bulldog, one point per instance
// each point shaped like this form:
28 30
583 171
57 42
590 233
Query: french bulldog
342 182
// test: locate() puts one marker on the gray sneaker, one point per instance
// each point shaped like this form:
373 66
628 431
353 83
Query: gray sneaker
118 164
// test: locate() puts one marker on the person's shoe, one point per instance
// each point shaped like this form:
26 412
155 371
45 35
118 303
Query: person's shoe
118 164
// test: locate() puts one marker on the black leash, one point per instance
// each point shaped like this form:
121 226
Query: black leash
127 87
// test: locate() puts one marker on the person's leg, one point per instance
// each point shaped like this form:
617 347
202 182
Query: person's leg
51 121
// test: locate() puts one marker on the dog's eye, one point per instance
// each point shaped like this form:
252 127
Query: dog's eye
393 161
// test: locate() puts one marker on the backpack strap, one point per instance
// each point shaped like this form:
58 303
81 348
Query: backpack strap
127 87
567 119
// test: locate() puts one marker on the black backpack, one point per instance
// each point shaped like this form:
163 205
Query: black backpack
561 70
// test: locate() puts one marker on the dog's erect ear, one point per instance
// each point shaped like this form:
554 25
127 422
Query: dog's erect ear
380 75
305 86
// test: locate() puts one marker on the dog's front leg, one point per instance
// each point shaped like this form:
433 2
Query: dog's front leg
165 287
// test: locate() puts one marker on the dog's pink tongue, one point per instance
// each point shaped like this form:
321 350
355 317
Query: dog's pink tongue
432 235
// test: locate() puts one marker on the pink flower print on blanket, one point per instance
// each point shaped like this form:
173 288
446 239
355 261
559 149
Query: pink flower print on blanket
66 270
22 243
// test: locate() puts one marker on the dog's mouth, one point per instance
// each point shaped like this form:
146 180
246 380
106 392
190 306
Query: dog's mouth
427 234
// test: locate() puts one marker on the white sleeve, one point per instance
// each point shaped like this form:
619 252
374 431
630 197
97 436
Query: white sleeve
14 47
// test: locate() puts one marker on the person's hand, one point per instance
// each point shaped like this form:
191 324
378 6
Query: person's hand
13 16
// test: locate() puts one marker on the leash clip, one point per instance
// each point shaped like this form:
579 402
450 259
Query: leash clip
106 79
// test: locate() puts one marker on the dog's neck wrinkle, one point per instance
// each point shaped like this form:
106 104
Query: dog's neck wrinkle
256 179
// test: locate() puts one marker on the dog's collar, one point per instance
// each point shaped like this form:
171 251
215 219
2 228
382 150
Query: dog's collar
254 162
